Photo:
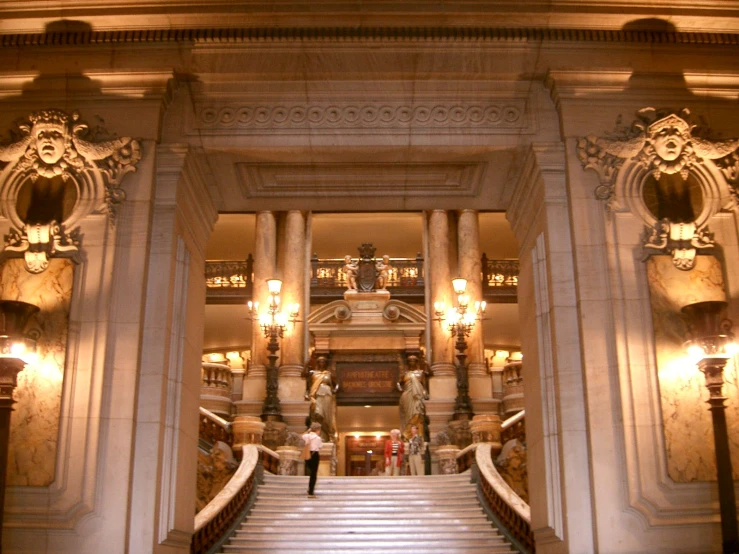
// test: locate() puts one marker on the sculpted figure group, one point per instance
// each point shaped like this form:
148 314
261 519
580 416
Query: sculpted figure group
382 269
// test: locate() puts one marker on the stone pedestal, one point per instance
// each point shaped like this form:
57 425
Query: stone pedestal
246 430
274 435
289 459
447 456
328 460
460 430
486 428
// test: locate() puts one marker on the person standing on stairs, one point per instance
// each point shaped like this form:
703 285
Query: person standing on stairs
415 452
393 453
312 437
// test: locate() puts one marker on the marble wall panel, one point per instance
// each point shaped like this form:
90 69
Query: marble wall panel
687 422
34 423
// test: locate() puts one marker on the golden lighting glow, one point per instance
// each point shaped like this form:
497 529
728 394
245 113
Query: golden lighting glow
459 285
679 369
274 286
281 319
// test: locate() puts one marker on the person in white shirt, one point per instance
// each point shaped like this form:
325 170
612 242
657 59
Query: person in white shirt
312 437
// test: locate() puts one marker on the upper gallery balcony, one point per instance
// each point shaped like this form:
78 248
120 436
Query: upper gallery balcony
230 281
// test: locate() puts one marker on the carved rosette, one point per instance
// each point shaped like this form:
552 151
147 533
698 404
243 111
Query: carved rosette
664 151
56 172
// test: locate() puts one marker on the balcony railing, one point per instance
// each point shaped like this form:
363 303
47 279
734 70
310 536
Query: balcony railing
499 280
230 281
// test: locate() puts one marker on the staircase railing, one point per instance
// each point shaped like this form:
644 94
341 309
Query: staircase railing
509 512
213 429
215 523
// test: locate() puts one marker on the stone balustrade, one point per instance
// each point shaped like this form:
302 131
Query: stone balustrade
215 388
513 387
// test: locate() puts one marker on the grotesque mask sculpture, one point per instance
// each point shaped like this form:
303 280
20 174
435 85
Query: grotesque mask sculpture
68 177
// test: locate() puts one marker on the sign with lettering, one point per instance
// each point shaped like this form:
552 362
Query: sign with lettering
367 383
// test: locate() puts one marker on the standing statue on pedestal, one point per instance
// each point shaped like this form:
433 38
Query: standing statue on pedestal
383 269
412 385
320 390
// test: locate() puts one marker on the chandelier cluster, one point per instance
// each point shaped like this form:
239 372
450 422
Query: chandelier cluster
460 319
274 321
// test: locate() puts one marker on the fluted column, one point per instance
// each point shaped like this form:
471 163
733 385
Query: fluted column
443 382
265 256
293 256
440 285
470 268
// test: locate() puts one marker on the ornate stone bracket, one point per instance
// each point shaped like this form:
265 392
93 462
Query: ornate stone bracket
681 240
39 242
664 145
68 172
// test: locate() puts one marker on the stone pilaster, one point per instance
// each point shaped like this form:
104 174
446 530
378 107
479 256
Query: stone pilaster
165 432
556 428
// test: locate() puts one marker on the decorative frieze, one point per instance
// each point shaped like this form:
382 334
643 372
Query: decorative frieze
384 117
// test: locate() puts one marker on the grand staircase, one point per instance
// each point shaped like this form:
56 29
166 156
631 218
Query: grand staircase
420 515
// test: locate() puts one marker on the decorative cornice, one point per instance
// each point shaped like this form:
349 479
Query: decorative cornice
363 34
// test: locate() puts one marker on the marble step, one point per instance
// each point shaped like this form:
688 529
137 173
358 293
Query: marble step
418 483
398 544
342 500
309 533
299 489
436 548
313 527
352 508
368 521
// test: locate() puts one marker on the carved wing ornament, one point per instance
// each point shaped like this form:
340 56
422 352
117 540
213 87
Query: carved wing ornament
669 147
56 172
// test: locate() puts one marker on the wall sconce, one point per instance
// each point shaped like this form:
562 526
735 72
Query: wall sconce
16 349
460 322
710 343
273 323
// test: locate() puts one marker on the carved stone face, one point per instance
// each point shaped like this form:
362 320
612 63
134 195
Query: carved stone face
50 142
668 143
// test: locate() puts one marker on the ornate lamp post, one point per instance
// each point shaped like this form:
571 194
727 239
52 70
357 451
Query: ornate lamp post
711 343
16 348
273 323
460 321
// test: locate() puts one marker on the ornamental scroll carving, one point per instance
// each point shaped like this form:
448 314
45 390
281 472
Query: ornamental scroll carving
56 171
659 159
